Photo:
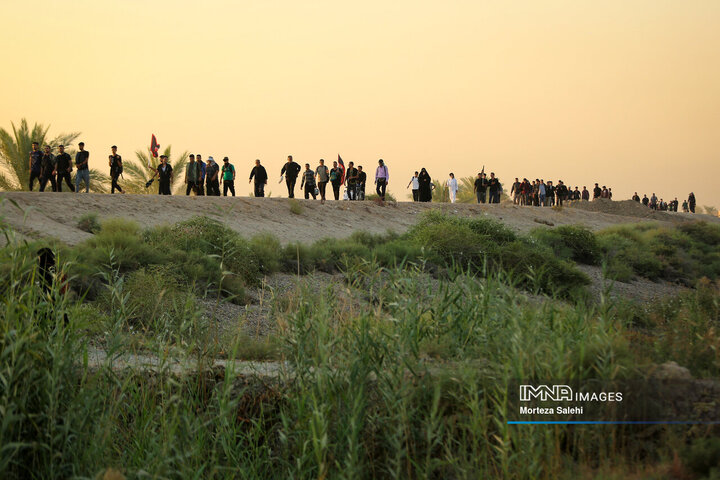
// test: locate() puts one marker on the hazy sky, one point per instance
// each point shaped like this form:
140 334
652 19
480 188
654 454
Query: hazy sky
625 93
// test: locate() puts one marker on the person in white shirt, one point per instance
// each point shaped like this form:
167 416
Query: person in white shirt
415 187
452 187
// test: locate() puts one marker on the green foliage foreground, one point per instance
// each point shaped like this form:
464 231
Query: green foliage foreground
404 375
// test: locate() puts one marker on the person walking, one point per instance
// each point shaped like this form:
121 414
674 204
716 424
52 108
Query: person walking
261 177
585 194
63 169
203 174
597 191
515 191
636 197
351 178
480 187
212 178
691 202
361 181
425 190
322 173
291 170
35 164
541 193
116 169
452 187
192 175
47 167
382 177
308 182
228 176
645 200
336 179
495 188
82 174
415 187
165 176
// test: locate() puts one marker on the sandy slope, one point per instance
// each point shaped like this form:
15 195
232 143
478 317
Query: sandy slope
36 215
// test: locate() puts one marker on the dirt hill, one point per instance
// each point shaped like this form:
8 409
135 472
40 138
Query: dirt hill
38 215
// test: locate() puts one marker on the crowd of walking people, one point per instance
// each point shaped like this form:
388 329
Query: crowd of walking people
204 178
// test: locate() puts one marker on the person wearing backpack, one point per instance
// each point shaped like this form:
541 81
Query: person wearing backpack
336 179
322 174
351 178
382 177
228 176
116 169
308 182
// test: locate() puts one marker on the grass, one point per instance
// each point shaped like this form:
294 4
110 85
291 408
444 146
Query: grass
296 207
88 222
683 254
406 374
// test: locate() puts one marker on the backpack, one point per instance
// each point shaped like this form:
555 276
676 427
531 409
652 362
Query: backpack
117 167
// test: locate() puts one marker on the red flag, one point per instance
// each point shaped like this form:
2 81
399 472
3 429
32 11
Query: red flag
342 167
154 146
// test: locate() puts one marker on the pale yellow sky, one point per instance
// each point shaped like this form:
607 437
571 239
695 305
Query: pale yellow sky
625 93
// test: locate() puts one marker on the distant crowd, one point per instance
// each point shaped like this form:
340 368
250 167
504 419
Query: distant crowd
204 178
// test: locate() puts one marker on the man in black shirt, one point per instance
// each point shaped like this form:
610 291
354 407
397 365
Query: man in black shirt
83 172
362 178
47 169
35 164
494 187
261 178
116 169
636 197
63 167
351 177
291 170
480 187
597 191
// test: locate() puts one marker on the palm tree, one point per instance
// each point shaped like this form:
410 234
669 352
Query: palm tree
138 173
15 151
466 190
441 193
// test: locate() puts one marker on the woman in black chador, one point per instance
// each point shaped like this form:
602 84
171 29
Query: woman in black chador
425 193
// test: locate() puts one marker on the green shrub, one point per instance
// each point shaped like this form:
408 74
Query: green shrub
570 242
395 252
160 305
480 243
702 456
89 223
684 253
212 238
267 250
296 207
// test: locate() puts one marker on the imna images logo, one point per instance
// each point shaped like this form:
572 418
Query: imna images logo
556 393
560 393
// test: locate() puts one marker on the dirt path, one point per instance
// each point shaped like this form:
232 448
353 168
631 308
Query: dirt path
42 215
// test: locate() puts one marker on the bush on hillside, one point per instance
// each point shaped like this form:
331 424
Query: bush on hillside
570 242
